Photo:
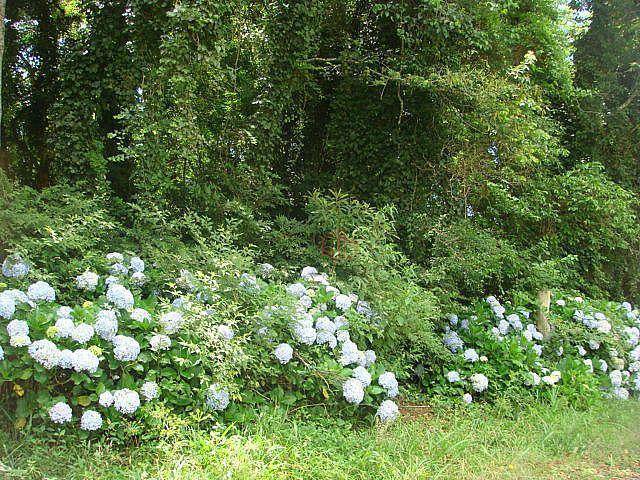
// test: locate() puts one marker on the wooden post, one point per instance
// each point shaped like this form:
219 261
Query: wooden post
544 303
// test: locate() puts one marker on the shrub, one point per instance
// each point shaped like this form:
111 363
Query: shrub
503 345
225 343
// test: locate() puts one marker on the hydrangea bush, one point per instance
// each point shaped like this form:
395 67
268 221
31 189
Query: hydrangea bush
219 344
100 362
497 350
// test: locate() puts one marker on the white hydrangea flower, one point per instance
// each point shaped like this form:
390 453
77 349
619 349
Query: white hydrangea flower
265 270
324 324
323 337
553 378
470 355
125 349
350 353
106 325
342 336
305 302
388 381
85 361
362 375
387 411
533 379
353 391
340 322
603 366
106 399
621 393
82 333
138 278
111 280
453 341
41 291
560 302
64 327
66 359
88 281
90 421
217 397
369 357
343 302
1 353
503 327
634 367
479 382
17 328
589 363
303 331
284 353
308 273
225 332
118 269
126 401
616 378
18 296
538 349
120 296
140 315
45 352
634 355
296 290
633 335
453 376
249 282
136 264
19 341
14 267
171 321
594 344
115 257
159 342
7 305
150 391
60 413
467 398
363 308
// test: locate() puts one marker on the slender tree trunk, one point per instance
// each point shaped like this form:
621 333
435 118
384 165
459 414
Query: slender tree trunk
45 88
3 4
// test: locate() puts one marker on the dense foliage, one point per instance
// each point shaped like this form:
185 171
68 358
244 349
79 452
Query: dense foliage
426 155
502 135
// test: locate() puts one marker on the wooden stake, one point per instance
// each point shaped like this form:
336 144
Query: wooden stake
544 303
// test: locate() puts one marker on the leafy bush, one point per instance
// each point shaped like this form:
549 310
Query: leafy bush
226 336
357 242
498 351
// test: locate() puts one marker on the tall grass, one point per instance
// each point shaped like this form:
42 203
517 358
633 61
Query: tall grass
481 442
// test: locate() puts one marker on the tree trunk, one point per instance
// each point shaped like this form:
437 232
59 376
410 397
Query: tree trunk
3 4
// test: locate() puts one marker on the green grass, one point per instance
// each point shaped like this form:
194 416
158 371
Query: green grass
536 442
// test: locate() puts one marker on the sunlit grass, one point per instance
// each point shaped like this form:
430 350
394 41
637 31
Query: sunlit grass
537 442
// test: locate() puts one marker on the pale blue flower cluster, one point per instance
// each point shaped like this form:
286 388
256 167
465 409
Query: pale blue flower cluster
126 401
217 397
41 291
284 353
87 281
14 267
120 296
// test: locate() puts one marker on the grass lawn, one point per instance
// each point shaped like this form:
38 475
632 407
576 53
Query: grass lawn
475 443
